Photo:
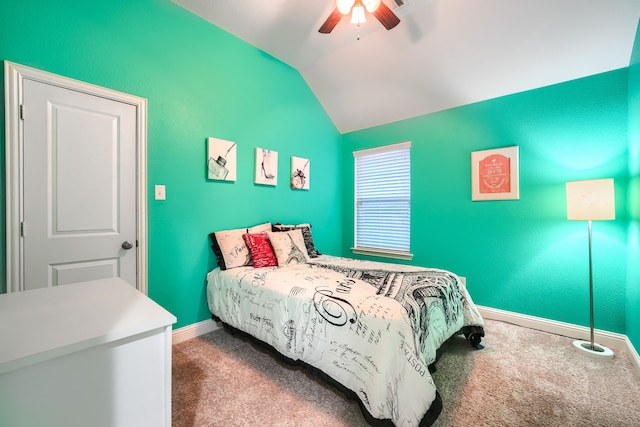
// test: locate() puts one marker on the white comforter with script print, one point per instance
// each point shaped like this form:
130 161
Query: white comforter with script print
373 327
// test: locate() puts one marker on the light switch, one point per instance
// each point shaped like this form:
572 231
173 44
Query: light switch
161 193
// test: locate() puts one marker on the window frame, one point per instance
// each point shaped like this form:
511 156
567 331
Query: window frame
380 252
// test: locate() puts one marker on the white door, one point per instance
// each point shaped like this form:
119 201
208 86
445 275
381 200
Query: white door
79 183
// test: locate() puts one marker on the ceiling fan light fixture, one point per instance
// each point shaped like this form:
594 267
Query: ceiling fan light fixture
356 8
371 5
357 15
344 6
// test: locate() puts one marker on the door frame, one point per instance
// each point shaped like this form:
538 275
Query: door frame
14 76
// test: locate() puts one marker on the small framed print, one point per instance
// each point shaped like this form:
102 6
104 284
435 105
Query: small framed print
266 167
299 173
495 175
221 159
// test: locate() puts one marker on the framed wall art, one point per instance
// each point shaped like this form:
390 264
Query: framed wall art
299 173
266 167
495 175
221 159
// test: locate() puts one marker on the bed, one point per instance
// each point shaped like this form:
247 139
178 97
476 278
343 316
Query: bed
371 328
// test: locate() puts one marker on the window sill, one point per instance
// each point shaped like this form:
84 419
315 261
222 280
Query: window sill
383 253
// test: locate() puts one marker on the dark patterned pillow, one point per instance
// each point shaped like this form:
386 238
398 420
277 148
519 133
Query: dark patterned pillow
306 234
261 250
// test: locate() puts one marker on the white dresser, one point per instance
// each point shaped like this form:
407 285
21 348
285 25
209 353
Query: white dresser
88 354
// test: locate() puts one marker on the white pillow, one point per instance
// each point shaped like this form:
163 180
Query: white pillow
306 234
260 228
233 248
289 247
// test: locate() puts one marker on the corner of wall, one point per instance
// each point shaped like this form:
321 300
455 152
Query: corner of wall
3 184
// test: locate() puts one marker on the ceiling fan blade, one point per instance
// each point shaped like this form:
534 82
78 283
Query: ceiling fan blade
331 22
386 16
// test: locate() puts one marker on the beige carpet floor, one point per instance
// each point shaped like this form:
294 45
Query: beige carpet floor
522 377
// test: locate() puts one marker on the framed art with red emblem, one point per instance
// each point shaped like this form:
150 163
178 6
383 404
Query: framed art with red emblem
494 174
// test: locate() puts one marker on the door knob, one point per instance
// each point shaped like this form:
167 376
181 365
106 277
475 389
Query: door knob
127 245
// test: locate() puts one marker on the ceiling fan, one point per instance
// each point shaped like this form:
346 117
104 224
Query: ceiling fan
357 7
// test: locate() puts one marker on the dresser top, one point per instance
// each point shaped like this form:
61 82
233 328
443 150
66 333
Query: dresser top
40 324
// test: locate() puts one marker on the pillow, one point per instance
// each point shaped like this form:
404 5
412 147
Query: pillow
230 248
306 234
217 251
261 250
282 227
260 228
289 247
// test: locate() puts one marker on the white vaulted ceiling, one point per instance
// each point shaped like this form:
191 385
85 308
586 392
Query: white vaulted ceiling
443 54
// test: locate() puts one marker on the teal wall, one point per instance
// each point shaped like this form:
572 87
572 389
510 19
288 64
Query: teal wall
633 255
199 81
522 256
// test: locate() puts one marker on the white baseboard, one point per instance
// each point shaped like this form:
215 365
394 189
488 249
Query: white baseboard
191 331
633 354
609 339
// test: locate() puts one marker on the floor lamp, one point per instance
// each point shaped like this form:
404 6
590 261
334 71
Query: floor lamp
591 200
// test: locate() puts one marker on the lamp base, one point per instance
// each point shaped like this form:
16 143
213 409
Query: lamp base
597 349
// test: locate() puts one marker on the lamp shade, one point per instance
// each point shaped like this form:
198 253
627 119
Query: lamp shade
591 199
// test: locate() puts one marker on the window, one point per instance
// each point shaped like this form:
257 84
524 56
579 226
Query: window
383 201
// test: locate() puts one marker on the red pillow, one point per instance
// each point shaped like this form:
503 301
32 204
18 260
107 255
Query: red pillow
261 250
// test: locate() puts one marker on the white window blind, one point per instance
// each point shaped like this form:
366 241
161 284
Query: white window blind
383 200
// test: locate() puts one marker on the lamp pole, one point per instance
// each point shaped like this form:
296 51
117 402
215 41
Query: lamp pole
591 323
